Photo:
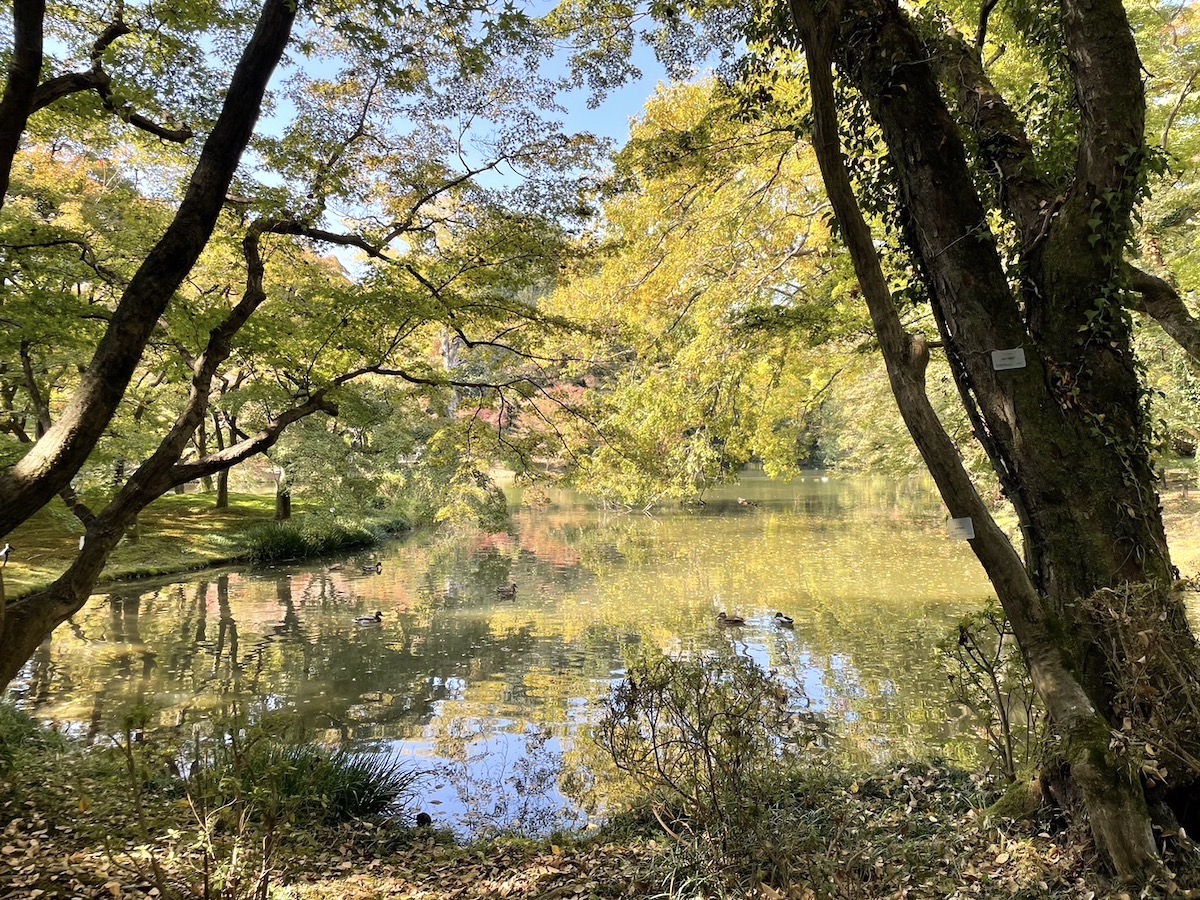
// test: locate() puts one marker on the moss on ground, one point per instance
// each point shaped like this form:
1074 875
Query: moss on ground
176 533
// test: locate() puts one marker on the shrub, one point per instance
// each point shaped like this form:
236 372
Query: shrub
708 740
989 678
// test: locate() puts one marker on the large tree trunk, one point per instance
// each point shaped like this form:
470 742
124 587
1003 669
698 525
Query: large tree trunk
60 453
1086 501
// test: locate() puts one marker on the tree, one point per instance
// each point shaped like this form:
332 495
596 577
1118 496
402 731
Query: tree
716 314
418 126
1018 238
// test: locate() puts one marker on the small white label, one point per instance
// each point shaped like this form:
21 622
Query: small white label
1008 359
962 529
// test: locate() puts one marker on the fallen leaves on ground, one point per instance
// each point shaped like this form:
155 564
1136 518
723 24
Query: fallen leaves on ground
909 833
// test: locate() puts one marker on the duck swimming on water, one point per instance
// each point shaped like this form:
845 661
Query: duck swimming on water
785 621
508 592
374 568
723 619
376 619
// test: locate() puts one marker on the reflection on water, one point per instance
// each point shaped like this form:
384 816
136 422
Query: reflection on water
498 688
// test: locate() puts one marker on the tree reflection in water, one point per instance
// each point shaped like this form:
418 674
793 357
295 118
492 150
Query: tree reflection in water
863 566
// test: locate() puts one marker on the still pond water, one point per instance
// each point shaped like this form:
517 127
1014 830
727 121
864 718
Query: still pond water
496 693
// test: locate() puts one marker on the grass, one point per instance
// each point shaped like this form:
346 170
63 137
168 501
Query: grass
176 533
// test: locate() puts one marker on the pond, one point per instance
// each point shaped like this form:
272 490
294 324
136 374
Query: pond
498 691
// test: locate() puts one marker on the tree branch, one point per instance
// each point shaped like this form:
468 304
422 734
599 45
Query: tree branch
1027 197
1162 302
259 442
98 80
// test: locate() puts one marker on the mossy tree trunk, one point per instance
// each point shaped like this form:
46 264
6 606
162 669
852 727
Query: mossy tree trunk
1065 430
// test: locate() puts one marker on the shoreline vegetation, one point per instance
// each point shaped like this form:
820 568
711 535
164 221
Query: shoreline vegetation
181 533
121 822
126 822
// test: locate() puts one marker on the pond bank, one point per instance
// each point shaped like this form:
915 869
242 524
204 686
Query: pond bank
71 830
184 533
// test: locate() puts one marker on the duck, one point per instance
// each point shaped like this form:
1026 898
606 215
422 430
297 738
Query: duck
785 621
724 619
376 619
376 568
508 592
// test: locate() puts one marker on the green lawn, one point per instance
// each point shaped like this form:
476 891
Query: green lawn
175 533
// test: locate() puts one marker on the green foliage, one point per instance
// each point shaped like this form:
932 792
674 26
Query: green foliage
707 739
713 282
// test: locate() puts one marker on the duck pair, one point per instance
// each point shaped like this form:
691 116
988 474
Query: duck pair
780 619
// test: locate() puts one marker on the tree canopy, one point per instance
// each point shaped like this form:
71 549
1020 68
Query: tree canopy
379 218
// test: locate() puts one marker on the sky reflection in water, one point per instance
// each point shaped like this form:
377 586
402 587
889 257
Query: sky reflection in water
496 689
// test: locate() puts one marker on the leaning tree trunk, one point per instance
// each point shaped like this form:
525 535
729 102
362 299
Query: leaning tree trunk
1087 508
26 622
55 459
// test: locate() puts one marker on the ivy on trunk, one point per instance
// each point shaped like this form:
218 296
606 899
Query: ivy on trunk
1065 432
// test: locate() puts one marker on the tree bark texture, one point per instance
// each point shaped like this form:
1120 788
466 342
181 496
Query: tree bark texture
1086 502
24 69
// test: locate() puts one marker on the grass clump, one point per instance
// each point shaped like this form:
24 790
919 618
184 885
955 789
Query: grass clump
308 784
276 541
20 733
